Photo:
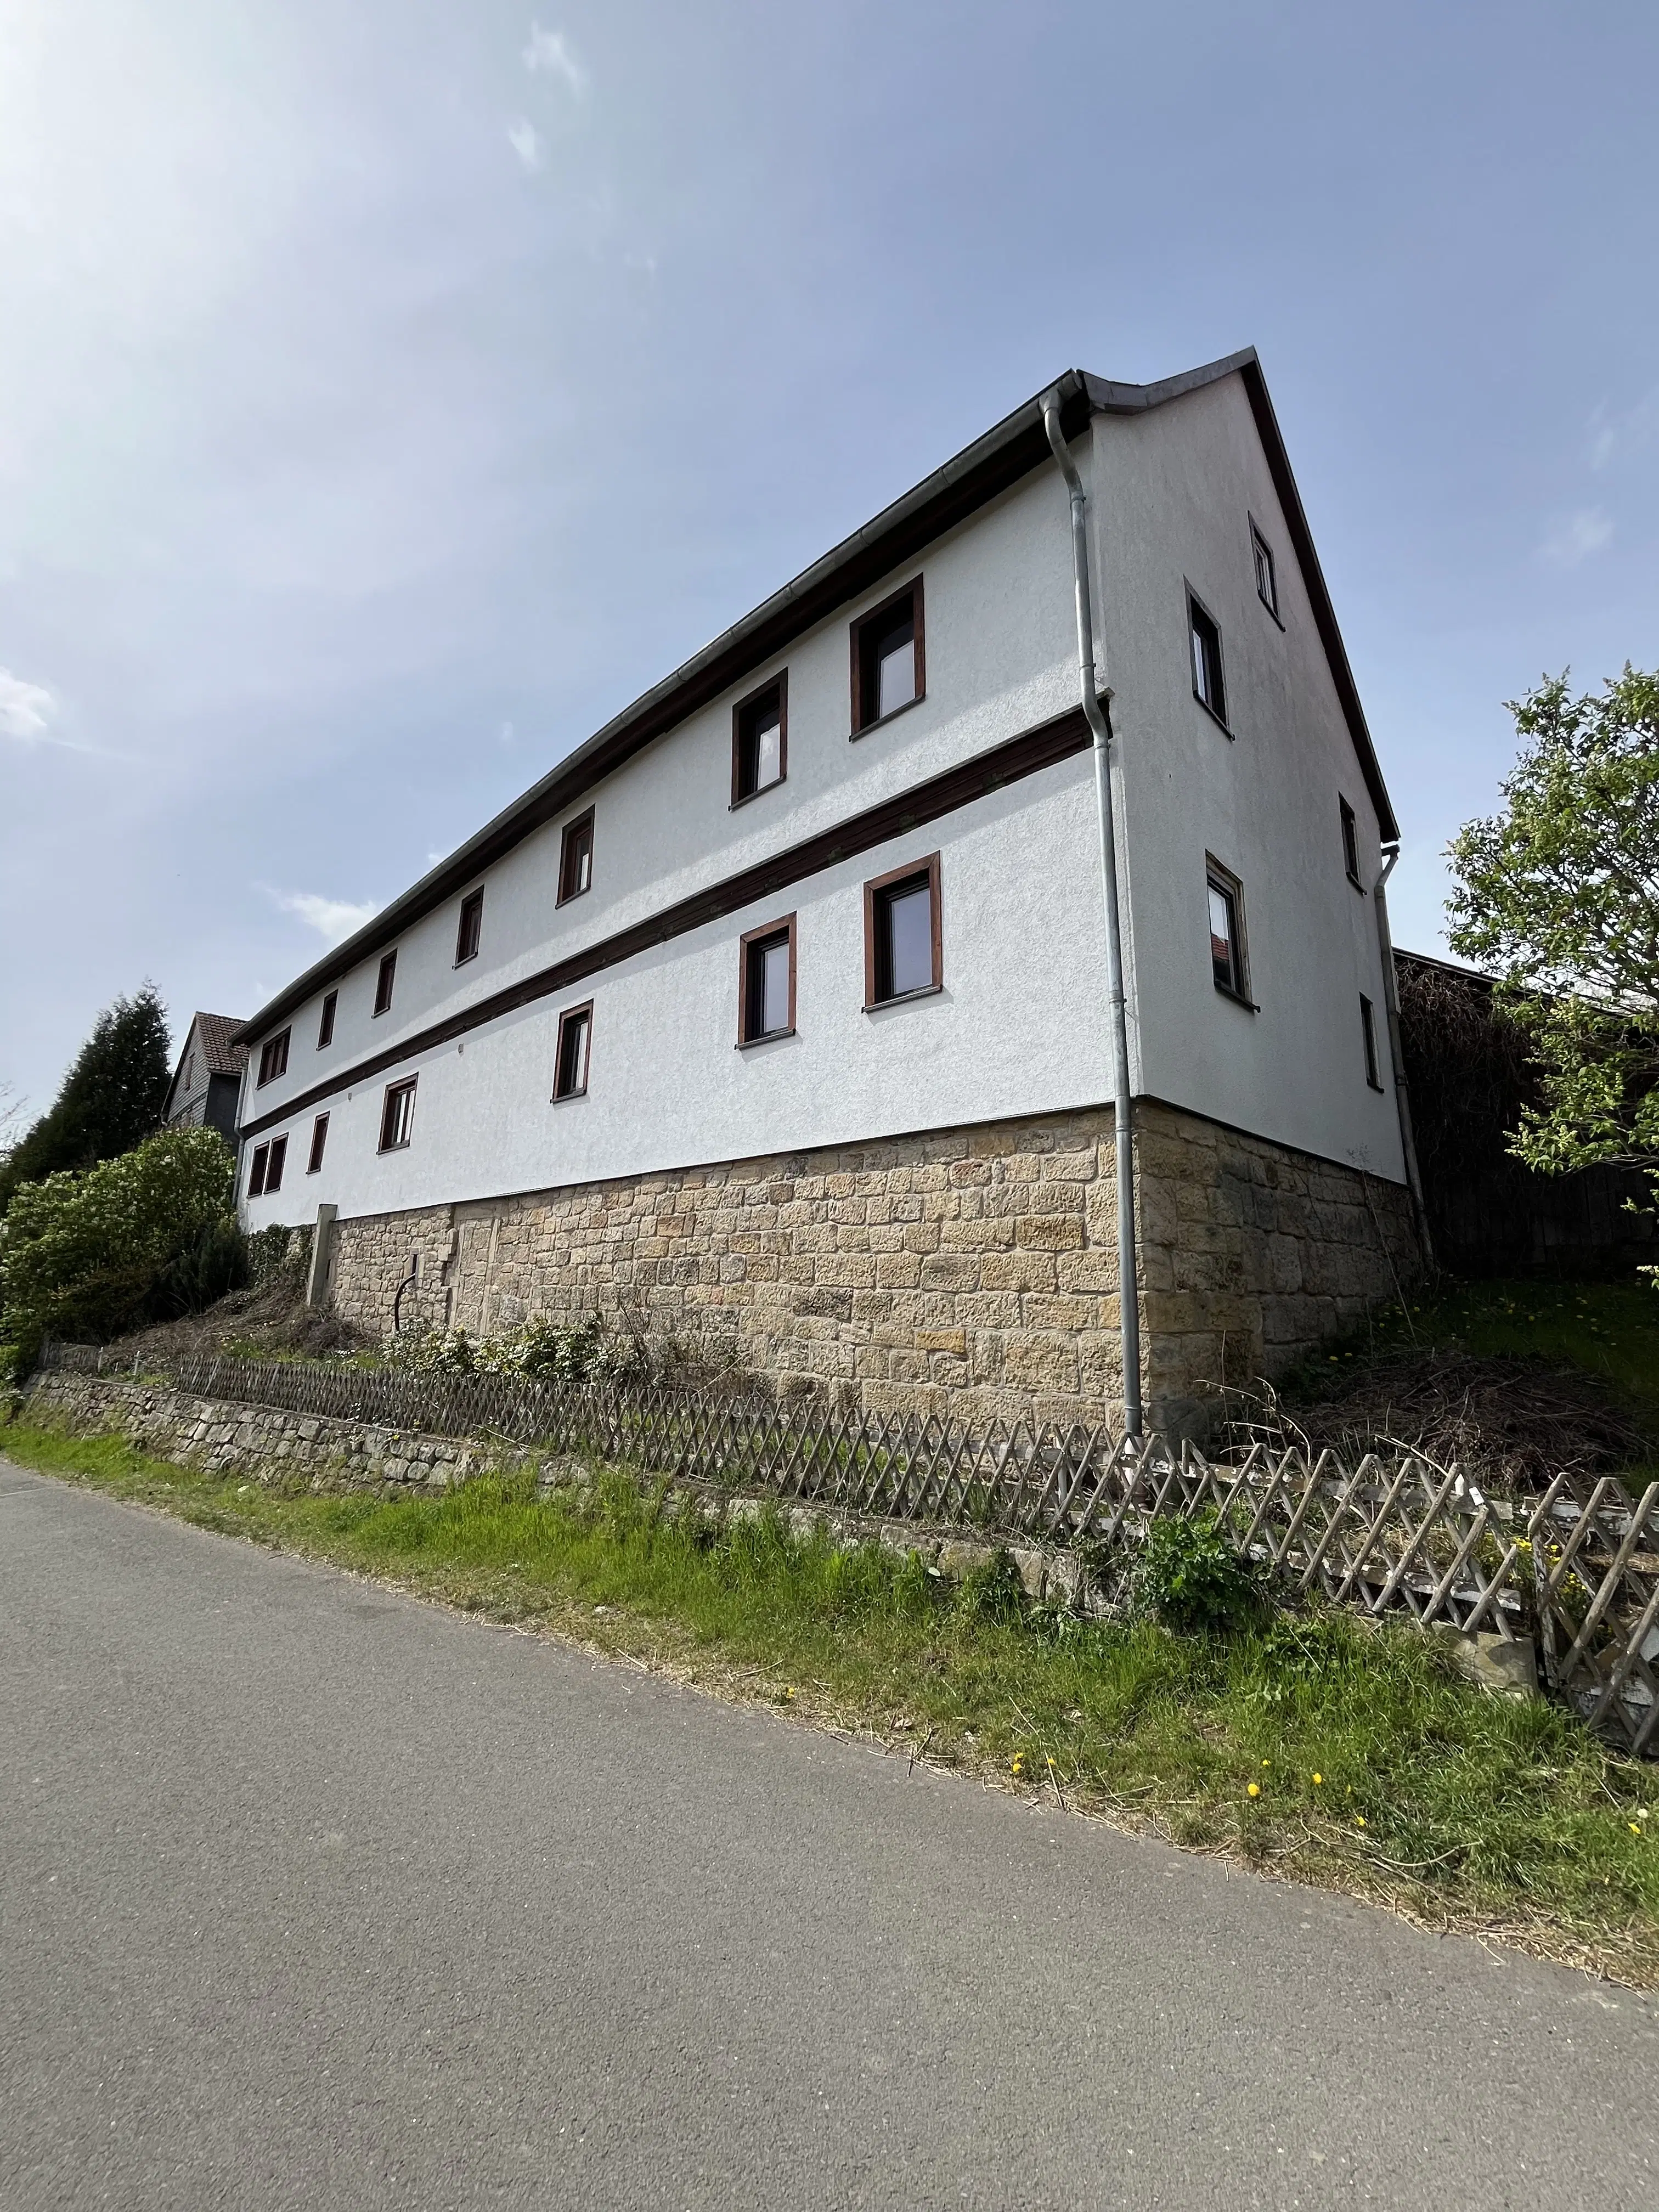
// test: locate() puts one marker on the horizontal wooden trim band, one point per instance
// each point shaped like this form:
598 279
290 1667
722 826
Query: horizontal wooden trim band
924 802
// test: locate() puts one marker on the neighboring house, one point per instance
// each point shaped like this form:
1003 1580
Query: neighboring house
777 1011
207 1080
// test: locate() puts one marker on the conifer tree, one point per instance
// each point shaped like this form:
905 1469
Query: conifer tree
111 1099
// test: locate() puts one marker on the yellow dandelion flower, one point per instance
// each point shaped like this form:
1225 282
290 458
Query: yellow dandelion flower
1634 1830
1359 1819
1256 1790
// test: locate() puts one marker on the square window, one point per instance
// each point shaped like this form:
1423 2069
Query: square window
576 857
274 1170
319 1138
760 740
889 662
1227 904
468 931
570 1061
1350 843
325 1023
1207 684
1266 582
273 1057
255 1173
903 947
398 1116
766 982
1367 1031
384 982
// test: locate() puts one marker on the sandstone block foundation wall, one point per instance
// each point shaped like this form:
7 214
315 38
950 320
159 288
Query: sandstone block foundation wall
966 1271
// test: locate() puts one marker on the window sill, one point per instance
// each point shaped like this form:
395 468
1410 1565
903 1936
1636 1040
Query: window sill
1236 998
465 960
772 1037
568 1098
1213 716
569 898
1381 1089
903 997
760 791
383 1150
1273 612
882 720
1355 881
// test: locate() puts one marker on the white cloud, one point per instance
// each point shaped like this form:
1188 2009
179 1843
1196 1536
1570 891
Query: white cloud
525 141
333 920
27 710
1625 434
1583 534
550 52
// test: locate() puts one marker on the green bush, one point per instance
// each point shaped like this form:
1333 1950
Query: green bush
87 1255
1189 1578
541 1348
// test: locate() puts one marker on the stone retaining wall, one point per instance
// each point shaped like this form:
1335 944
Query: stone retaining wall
968 1272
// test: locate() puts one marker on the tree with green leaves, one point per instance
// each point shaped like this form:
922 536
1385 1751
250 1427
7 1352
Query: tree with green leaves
1558 897
111 1099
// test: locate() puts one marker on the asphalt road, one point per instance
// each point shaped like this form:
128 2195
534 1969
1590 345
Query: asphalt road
311 1895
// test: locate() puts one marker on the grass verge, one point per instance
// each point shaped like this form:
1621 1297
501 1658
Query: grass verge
1306 1746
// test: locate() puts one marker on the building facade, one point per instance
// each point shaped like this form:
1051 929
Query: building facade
775 1015
207 1083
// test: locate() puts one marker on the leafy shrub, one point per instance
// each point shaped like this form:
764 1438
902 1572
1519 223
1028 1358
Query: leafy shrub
217 1263
1189 1578
90 1254
540 1350
271 1250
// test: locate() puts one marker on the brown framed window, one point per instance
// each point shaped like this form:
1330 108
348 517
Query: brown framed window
277 1161
326 1021
469 930
904 942
760 739
1226 903
766 982
319 1138
273 1056
1267 576
255 1173
1350 842
384 982
576 857
1204 635
890 669
570 1060
397 1114
1367 1031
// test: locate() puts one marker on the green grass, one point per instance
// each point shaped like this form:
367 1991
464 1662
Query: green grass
1378 1770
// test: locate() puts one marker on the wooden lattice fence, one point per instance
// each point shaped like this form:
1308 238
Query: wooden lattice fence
1575 1570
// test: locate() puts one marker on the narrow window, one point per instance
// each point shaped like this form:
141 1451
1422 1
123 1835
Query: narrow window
189 1072
319 1138
255 1173
384 982
1350 843
1367 1029
903 951
576 857
570 1063
273 1057
888 663
274 1171
398 1116
469 931
760 741
1266 583
326 1024
1207 684
1227 933
766 1005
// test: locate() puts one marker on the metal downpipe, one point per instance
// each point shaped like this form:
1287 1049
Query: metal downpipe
1128 1300
1397 1054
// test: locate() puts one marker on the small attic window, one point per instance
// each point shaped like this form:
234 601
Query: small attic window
889 662
1267 578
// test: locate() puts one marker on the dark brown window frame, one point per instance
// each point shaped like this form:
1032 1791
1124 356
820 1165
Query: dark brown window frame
276 1163
784 927
1350 822
861 628
779 683
472 911
1218 876
385 983
1261 545
255 1169
1218 715
585 1010
326 1019
912 871
273 1058
319 1139
1367 1031
404 1085
567 839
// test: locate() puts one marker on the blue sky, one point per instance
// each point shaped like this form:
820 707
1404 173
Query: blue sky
392 390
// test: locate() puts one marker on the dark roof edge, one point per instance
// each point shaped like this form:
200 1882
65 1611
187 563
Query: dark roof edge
1007 453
